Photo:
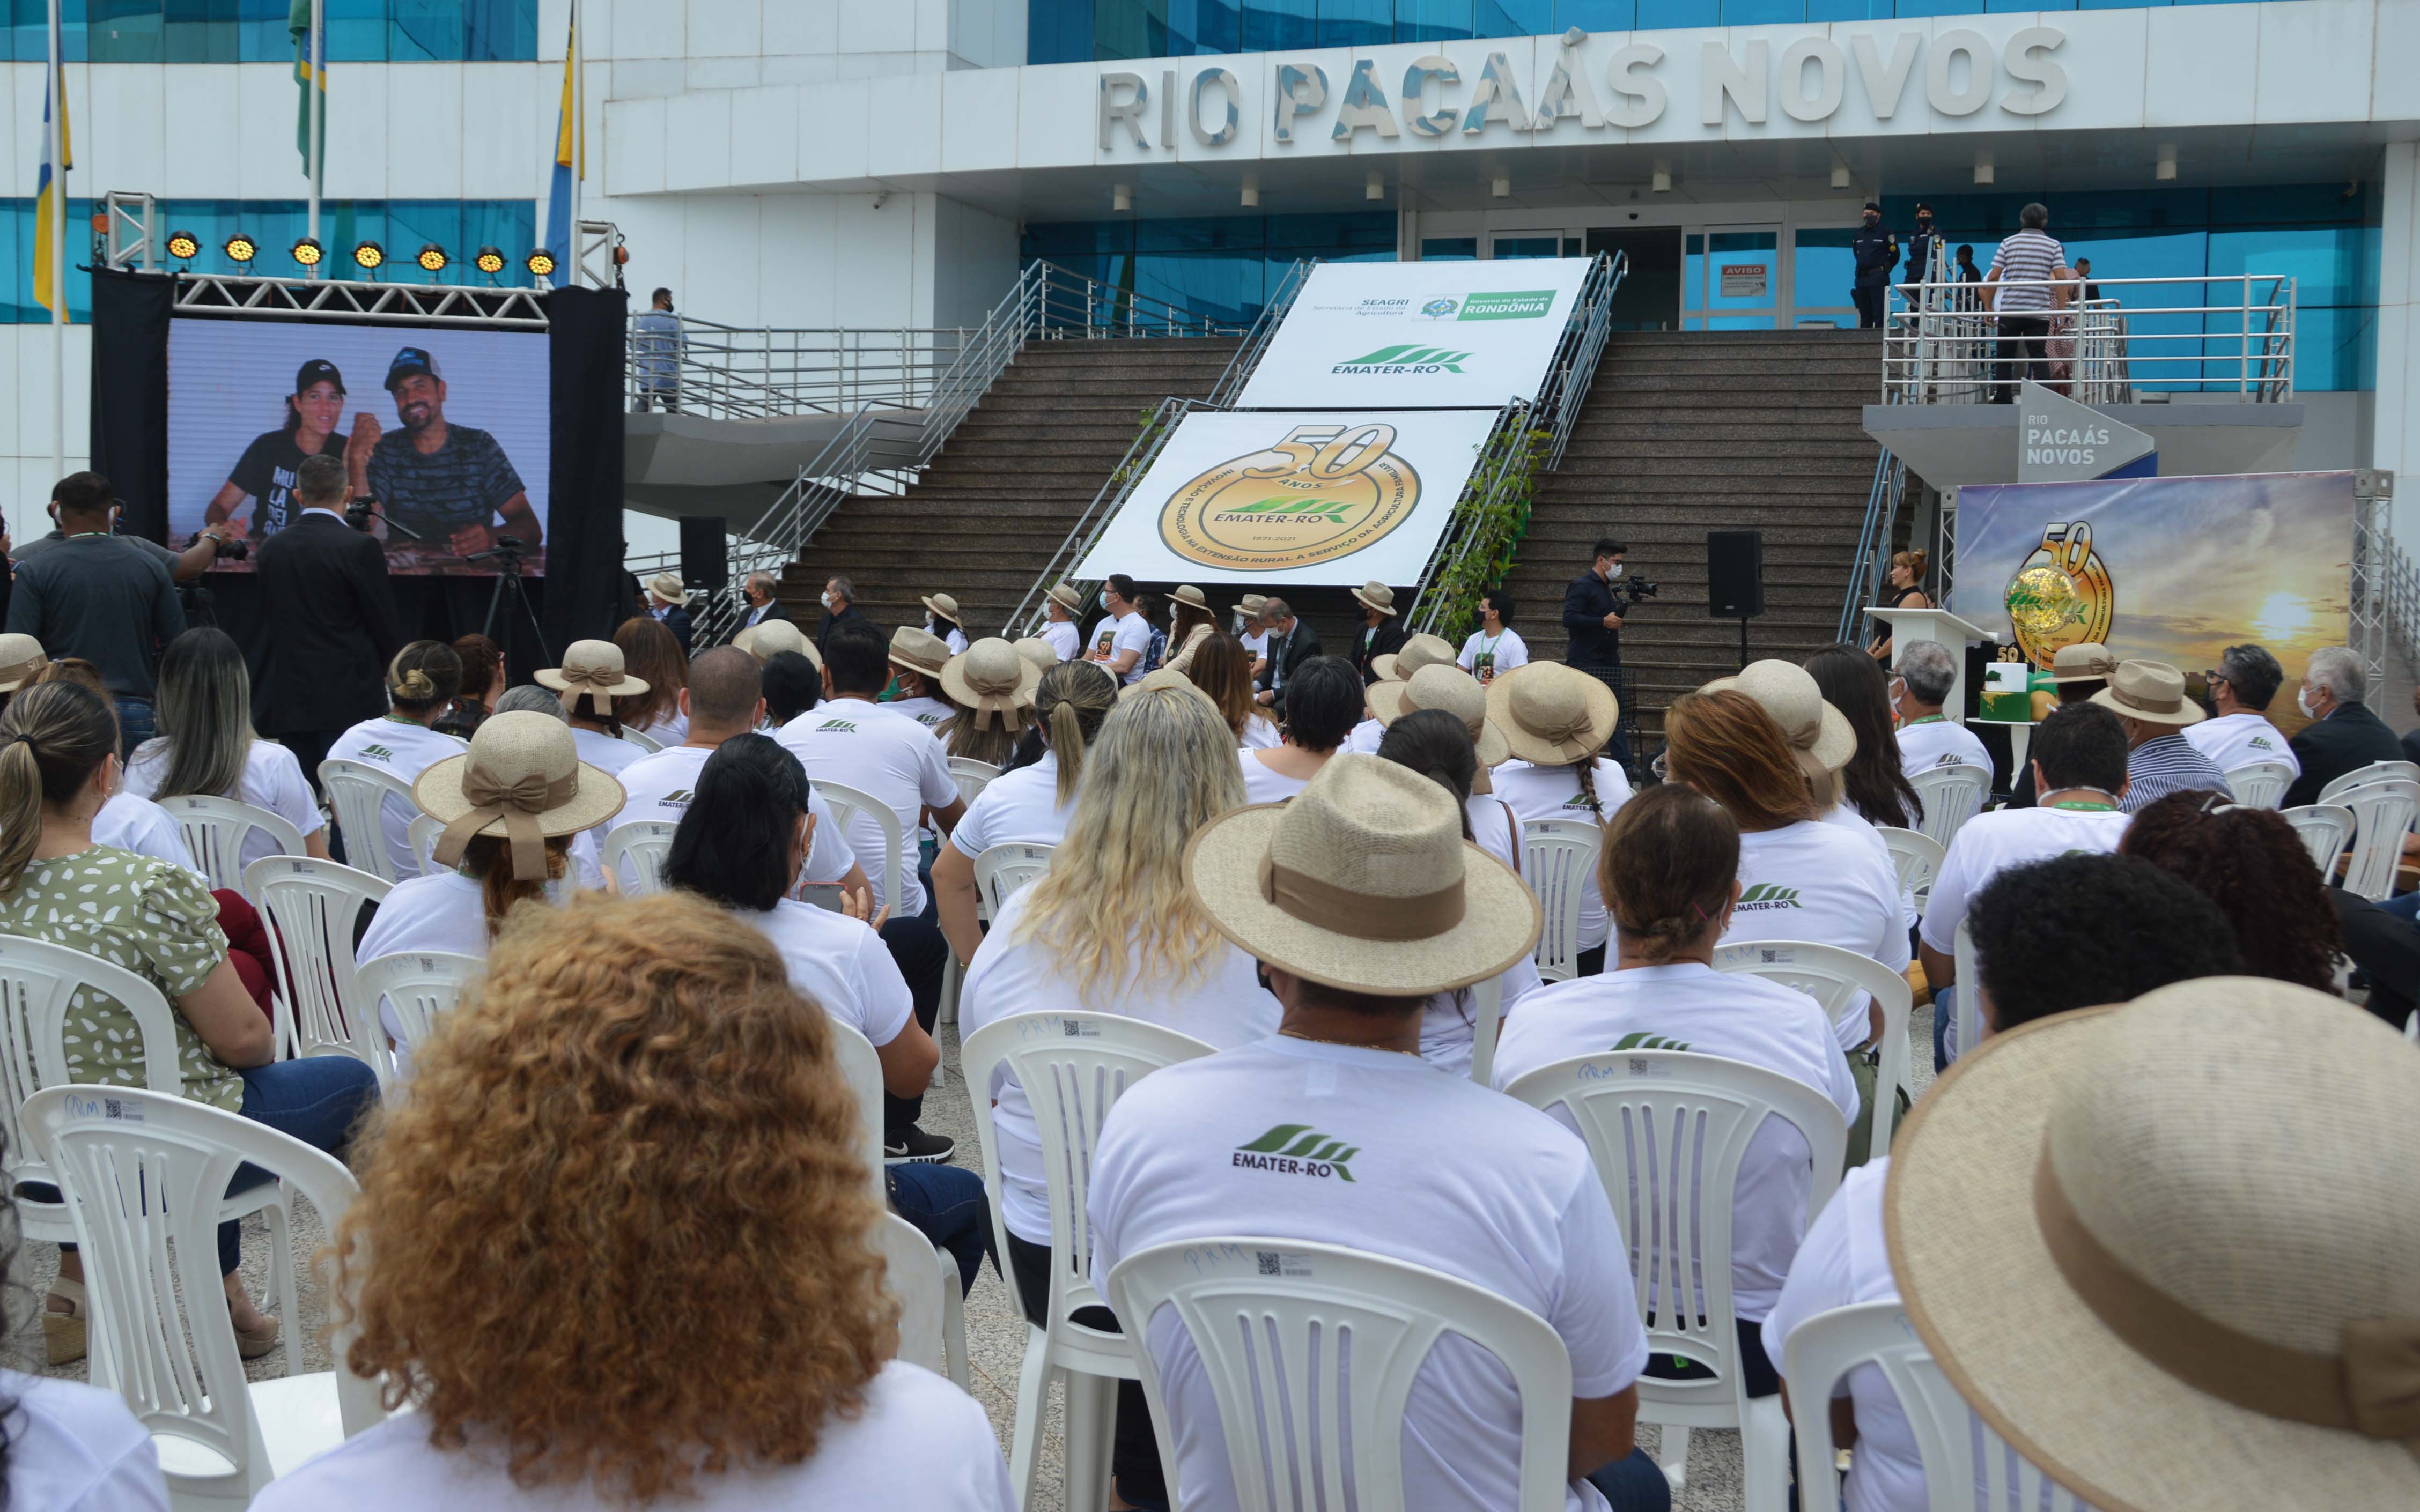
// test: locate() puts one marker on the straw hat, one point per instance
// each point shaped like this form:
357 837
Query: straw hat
1188 593
1040 652
1418 652
991 678
1251 604
20 659
1377 596
1065 596
2084 662
522 776
1818 733
592 669
1363 881
1551 713
2151 691
944 608
1457 693
2164 1248
1165 678
667 586
918 651
770 637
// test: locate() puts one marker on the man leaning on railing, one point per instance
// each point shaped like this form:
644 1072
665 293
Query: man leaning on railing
656 348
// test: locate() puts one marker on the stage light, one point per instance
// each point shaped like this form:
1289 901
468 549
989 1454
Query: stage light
369 256
240 249
489 261
540 263
309 253
184 246
431 258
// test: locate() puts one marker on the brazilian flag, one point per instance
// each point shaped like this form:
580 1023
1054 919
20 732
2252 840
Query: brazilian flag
298 25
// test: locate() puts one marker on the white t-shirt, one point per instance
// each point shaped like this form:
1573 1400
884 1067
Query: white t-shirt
1225 1007
1259 735
1727 1013
1364 739
1842 1262
273 780
1064 638
76 1449
919 1442
1256 646
1449 1023
605 752
1495 828
1828 883
951 635
1505 652
127 822
660 787
1992 842
402 751
1443 1174
670 729
929 712
1554 793
840 963
441 911
2234 740
1127 632
1020 808
890 758
1264 784
1938 743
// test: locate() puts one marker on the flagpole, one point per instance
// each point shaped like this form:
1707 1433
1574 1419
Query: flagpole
318 61
56 128
579 136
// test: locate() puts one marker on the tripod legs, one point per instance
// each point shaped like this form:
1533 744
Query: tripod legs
509 586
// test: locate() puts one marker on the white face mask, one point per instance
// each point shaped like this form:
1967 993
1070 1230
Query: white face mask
1105 598
1613 572
826 599
2302 701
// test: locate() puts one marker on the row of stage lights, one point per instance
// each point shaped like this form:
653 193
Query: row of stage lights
367 255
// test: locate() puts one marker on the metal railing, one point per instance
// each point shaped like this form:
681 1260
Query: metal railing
1503 445
2142 336
1247 360
1873 546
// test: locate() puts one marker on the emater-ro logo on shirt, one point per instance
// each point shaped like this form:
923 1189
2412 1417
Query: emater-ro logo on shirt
1766 895
1297 1150
842 725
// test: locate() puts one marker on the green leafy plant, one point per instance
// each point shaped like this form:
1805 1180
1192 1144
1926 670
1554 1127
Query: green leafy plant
1490 520
1150 427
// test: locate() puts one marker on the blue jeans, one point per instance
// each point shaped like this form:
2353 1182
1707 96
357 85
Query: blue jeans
134 724
318 1100
2405 907
1634 1483
946 1204
1945 1008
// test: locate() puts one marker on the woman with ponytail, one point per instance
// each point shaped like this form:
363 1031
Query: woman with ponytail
58 766
1029 805
421 683
1556 719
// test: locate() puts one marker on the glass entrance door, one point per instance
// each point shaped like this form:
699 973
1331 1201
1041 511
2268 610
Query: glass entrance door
1733 277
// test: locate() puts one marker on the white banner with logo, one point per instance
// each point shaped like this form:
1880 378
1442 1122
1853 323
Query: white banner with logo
1272 496
1422 334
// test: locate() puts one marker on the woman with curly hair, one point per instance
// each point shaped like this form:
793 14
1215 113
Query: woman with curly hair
2251 864
613 1249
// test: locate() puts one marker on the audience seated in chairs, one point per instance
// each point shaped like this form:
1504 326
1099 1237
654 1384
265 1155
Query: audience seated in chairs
2149 697
482 684
654 656
1925 673
1873 785
1323 701
794 684
205 743
2251 864
2238 732
592 683
420 685
1222 668
990 689
1555 721
647 1114
2345 734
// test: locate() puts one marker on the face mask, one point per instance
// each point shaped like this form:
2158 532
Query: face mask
2302 701
1613 572
826 599
1105 598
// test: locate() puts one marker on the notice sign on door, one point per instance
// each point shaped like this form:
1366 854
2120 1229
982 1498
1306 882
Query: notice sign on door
1744 280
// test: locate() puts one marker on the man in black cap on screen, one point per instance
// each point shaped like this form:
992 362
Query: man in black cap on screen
445 483
1876 251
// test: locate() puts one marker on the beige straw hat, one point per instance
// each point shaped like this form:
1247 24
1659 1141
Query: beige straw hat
2151 691
770 637
944 607
2165 1249
1188 593
2084 662
1818 733
1164 677
1418 652
1377 596
667 586
521 778
918 651
1040 652
1066 597
1551 713
1457 693
592 669
1363 881
21 661
1251 604
991 678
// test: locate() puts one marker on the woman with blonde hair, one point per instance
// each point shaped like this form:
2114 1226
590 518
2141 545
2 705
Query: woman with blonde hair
1906 591
206 744
653 655
639 1108
1223 669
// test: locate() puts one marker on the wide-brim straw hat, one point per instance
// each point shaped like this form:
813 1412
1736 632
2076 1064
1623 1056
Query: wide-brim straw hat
918 651
1165 677
1457 693
522 773
2086 661
1818 734
21 659
2151 691
991 678
1418 652
1188 595
1552 715
769 639
667 586
1251 604
1066 597
1362 880
2234 1176
1040 652
944 607
1377 596
593 670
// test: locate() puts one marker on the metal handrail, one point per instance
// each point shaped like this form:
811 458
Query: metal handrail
1030 615
1247 360
1874 544
1459 536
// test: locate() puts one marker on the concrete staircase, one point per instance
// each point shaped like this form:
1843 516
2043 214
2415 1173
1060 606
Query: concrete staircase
1007 487
1687 432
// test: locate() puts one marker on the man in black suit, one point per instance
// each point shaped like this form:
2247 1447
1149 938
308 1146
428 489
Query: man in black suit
331 622
2343 735
668 601
1381 634
1590 612
1292 643
839 608
762 605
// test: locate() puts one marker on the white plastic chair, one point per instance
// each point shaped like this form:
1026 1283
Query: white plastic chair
2259 784
1833 977
635 853
1486 1019
1918 858
1003 871
1307 1417
974 776
645 742
1666 1128
1966 1031
216 828
1951 793
1073 1067
425 832
846 801
420 987
313 907
860 1066
2364 776
2383 806
144 1175
1967 1467
922 1278
358 793
1557 857
2326 829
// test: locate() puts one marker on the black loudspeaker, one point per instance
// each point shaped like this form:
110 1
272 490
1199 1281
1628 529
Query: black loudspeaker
703 562
1734 574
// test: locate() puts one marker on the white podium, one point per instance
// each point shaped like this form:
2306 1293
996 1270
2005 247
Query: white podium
1938 624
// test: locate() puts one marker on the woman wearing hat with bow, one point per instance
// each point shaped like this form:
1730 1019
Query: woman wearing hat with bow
1554 720
1188 625
1060 609
917 657
991 688
1453 692
589 680
942 619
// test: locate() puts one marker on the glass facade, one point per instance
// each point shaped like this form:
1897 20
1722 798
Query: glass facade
1219 266
253 31
1083 31
401 227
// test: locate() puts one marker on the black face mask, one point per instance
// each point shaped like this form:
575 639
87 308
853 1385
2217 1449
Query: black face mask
1924 222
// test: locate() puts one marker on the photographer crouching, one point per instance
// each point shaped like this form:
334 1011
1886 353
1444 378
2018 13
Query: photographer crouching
331 622
1592 608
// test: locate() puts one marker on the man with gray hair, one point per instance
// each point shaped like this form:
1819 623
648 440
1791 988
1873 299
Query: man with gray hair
1926 736
2343 734
762 606
2239 734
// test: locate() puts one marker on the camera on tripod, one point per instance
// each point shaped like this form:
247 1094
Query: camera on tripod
1635 589
232 548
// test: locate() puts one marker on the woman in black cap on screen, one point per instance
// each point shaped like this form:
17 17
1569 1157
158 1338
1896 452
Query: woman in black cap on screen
266 469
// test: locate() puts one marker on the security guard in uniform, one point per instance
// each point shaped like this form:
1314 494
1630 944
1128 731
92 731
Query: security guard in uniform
1877 253
1919 255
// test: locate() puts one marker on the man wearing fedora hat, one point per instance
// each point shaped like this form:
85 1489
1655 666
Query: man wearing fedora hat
2149 697
1060 609
1251 629
1381 634
1360 898
668 603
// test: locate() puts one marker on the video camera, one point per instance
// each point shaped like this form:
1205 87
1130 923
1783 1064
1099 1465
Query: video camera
1635 589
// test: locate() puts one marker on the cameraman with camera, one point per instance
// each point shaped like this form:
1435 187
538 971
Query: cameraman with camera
331 622
1592 607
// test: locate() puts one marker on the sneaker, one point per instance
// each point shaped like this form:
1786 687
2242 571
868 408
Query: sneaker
916 1148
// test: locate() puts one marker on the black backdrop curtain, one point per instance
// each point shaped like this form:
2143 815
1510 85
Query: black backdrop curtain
130 392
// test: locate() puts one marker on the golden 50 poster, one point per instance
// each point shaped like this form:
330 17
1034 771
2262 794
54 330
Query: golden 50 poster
2162 569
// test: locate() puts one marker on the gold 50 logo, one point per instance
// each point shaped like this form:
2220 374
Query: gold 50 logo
1323 492
2061 594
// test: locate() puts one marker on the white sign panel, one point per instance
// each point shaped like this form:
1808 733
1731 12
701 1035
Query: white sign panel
1277 497
2060 441
1458 335
1743 280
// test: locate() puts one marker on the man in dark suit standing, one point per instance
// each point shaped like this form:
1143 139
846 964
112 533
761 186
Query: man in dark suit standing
1590 612
2343 735
839 608
668 601
762 605
1292 643
331 622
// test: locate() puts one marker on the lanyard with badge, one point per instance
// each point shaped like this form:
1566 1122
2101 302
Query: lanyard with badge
1484 663
1929 718
2110 807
